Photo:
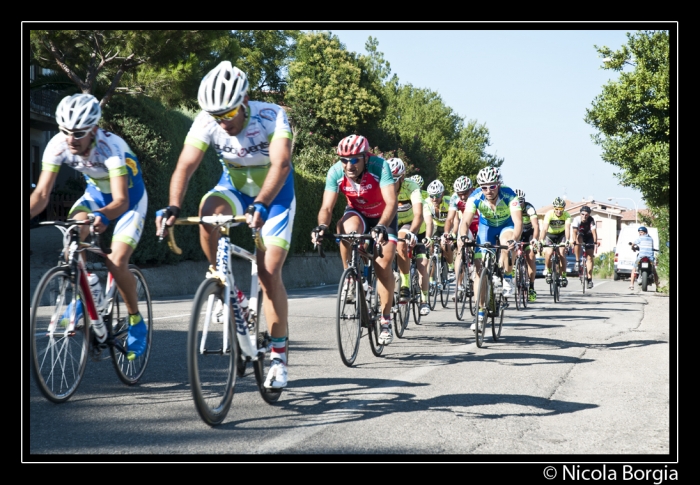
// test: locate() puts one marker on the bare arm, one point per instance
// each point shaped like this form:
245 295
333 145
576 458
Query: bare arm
451 213
189 161
120 201
391 201
417 217
467 216
40 196
517 215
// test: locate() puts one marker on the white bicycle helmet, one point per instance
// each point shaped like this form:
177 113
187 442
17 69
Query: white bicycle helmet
397 167
489 175
435 188
418 179
462 184
78 111
222 89
521 194
559 202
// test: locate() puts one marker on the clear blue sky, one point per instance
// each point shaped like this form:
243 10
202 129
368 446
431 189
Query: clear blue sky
530 88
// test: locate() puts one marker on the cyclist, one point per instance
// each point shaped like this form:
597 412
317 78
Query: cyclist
115 193
583 231
557 223
411 226
531 234
419 180
458 202
436 213
252 140
500 223
645 245
368 186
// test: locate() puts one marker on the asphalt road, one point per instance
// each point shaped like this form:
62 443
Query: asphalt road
590 375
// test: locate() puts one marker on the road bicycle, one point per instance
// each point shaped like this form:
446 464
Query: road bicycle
494 302
522 278
464 286
66 325
412 306
582 270
358 306
214 357
555 283
438 273
404 309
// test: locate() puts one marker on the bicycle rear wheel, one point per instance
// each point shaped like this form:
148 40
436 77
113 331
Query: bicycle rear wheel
485 289
402 316
348 318
497 318
211 355
130 371
58 352
522 284
373 321
416 297
261 366
434 279
444 285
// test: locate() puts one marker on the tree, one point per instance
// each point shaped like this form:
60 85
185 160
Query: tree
467 154
165 64
632 115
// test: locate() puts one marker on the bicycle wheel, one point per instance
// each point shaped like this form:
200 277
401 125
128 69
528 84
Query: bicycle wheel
497 318
261 366
555 284
211 355
444 284
348 319
522 284
373 321
461 290
485 289
130 371
415 295
434 279
58 353
403 314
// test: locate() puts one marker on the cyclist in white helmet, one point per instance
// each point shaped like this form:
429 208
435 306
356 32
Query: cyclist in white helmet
458 202
555 228
417 179
436 213
531 234
115 193
500 222
252 140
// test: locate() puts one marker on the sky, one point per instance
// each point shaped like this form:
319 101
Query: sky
530 88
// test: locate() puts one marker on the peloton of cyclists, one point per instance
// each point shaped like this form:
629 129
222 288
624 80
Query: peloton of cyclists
458 202
531 234
369 188
435 214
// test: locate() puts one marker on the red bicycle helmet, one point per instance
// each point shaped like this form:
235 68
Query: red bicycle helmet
353 145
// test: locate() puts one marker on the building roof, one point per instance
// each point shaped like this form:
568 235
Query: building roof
573 208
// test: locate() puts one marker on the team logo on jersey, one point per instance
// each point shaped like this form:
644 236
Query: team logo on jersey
268 114
132 165
252 133
515 203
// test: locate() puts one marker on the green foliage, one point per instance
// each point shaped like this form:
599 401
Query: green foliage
662 223
632 115
604 265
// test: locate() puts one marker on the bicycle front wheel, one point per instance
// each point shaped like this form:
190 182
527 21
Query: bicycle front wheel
374 321
461 287
497 319
261 366
444 285
348 318
434 279
555 283
58 349
483 292
130 371
416 297
211 354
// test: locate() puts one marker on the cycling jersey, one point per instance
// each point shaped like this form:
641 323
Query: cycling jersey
439 216
366 196
409 194
582 227
245 158
459 205
109 156
498 216
529 213
557 224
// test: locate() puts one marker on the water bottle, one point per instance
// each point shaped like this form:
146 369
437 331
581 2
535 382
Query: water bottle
96 290
242 303
365 287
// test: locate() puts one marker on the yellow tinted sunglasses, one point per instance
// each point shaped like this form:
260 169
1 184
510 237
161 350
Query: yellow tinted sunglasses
228 115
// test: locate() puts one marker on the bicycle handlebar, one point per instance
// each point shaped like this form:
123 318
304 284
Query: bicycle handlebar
216 219
351 236
95 244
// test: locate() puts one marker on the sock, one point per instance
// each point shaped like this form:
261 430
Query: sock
386 320
451 267
405 280
424 296
279 349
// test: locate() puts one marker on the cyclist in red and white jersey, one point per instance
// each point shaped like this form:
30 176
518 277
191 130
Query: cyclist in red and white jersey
368 186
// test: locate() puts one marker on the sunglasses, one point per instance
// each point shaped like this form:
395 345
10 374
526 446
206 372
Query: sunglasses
77 135
489 187
435 196
228 115
352 161
558 208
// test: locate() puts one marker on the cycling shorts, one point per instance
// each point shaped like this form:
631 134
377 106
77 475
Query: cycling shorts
277 230
369 222
128 226
489 234
551 239
419 249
